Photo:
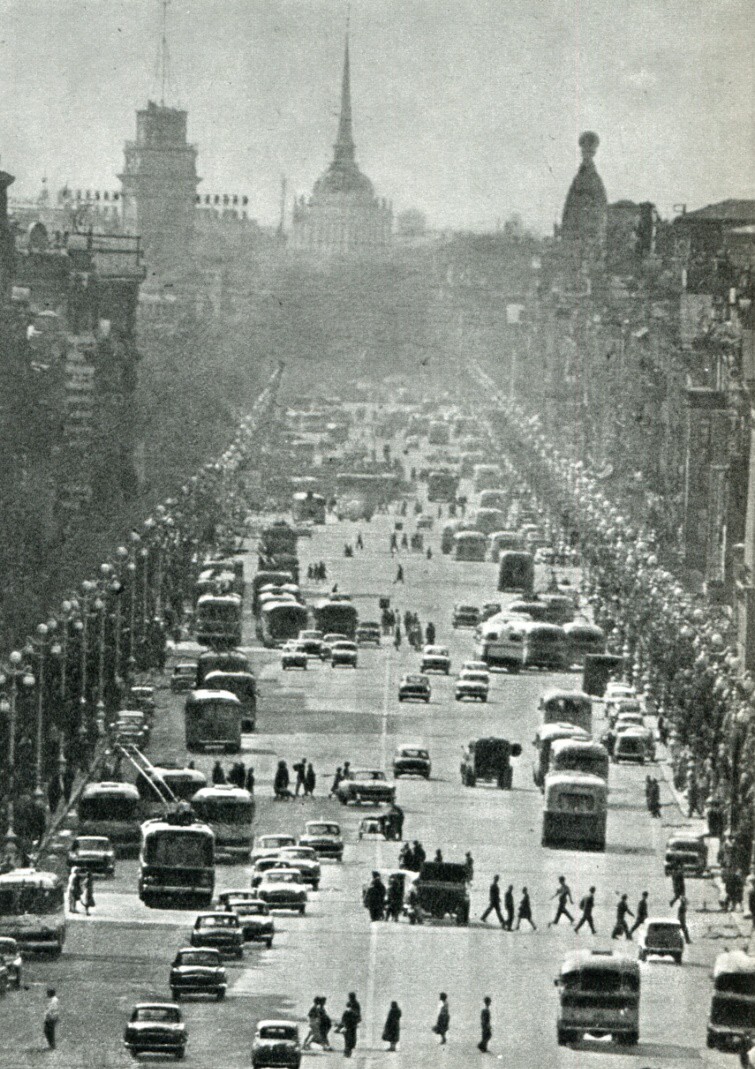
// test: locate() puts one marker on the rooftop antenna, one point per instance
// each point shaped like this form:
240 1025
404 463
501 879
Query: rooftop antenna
164 53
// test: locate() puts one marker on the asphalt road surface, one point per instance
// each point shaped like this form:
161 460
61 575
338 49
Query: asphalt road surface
121 954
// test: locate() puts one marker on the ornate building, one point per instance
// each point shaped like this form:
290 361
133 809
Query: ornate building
584 222
343 216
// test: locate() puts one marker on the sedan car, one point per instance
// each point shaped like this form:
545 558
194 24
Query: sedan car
329 641
311 642
293 655
472 686
662 937
219 930
368 634
271 844
184 677
254 915
411 760
304 859
414 687
276 1043
10 958
435 659
343 654
156 1028
465 616
94 853
686 852
283 888
365 785
197 971
324 837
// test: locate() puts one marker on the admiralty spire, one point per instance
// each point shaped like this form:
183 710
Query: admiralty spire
343 217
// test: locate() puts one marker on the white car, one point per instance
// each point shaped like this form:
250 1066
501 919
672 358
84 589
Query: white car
304 860
472 686
267 845
294 655
435 659
311 642
474 666
283 888
661 937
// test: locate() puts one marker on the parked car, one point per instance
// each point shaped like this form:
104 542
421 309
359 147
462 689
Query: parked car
197 971
271 844
435 659
661 936
311 642
219 930
156 1028
414 687
253 913
690 852
304 860
131 727
11 960
143 697
183 677
324 837
368 634
94 853
293 655
343 654
465 616
473 686
411 760
276 1043
365 785
283 888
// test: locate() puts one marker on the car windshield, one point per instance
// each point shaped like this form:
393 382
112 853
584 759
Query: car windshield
344 646
278 1031
247 906
297 852
416 681
369 776
311 635
475 677
411 751
90 842
436 651
197 957
220 920
323 829
9 947
164 1014
282 876
271 842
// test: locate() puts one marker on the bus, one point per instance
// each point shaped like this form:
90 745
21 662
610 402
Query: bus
176 862
218 620
438 433
489 520
516 572
500 643
469 460
545 646
267 577
183 784
575 810
450 530
442 486
339 617
220 661
500 541
32 910
470 546
111 809
599 994
584 639
280 621
579 755
308 507
486 477
546 735
229 811
732 1007
212 721
244 686
280 561
567 707
279 537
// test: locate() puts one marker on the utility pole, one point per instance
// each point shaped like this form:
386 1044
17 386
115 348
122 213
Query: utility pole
282 219
164 54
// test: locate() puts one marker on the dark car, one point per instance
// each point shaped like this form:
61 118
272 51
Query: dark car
343 653
197 971
93 853
368 634
489 760
276 1044
414 688
688 853
10 958
183 677
410 760
220 931
254 915
465 616
442 890
324 836
156 1028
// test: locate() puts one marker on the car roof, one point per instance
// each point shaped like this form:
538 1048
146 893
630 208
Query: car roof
671 921
198 950
274 1022
158 1005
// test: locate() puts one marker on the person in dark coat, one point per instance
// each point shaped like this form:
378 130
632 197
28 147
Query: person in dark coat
300 768
395 897
641 914
374 898
430 634
392 1026
399 574
486 1025
87 897
419 855
249 781
563 894
494 902
218 775
347 1026
508 905
281 781
443 1018
677 883
524 913
622 912
587 905
336 782
310 781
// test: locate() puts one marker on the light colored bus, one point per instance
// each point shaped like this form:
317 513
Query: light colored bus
176 862
500 643
732 1007
183 784
567 707
280 621
218 620
32 910
336 617
488 520
111 809
546 735
503 541
584 638
575 811
599 994
470 546
545 646
578 755
212 721
229 811
244 686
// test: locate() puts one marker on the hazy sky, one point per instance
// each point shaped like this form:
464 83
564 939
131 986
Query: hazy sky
467 109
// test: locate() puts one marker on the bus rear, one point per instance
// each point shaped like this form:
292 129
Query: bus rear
599 995
212 721
732 1007
229 811
111 809
575 809
176 862
218 620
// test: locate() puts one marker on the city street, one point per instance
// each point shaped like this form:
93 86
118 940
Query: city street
122 953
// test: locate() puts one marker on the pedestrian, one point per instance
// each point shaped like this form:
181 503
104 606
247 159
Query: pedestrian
404 540
469 866
442 1019
563 894
397 637
281 782
399 574
300 769
395 897
486 1025
249 781
74 889
310 781
325 1024
677 883
586 905
218 775
622 912
336 782
751 902
419 855
508 905
405 858
360 540
641 914
494 902
52 1015
524 913
374 897
438 859
746 1051
430 634
88 892
347 1026
392 1026
314 1035
681 916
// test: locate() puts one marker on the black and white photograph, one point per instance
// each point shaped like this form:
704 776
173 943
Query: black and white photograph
377 534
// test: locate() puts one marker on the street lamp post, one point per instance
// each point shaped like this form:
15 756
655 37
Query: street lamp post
99 606
9 705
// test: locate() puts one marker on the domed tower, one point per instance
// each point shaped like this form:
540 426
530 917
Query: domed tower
343 216
584 221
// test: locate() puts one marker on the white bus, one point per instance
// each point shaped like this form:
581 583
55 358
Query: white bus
229 811
32 910
112 809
